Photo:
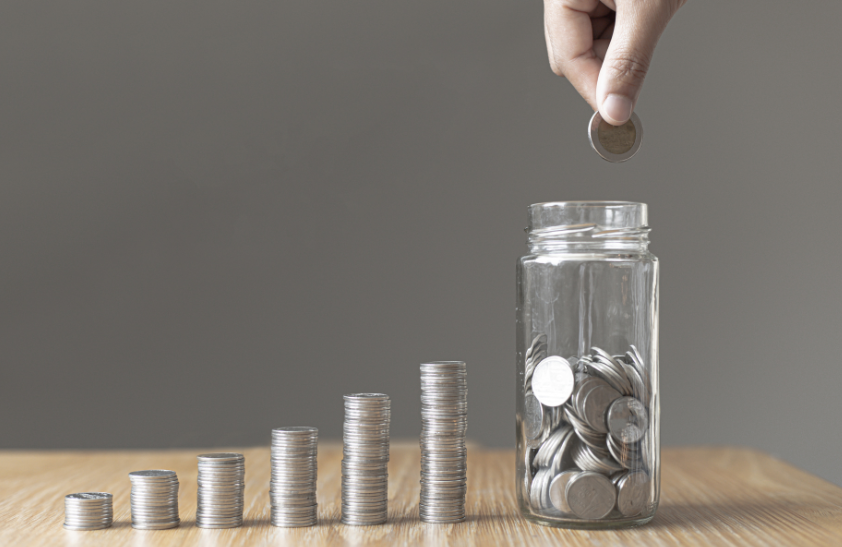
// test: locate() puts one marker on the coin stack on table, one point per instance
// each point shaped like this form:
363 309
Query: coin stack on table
221 488
365 474
588 448
292 489
154 499
88 511
444 457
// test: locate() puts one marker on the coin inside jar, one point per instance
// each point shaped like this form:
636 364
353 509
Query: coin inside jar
553 381
627 419
615 143
595 405
591 495
533 419
633 493
558 488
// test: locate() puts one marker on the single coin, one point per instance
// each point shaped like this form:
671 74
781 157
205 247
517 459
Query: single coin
627 419
553 381
92 496
220 457
595 405
591 496
633 493
152 473
533 419
558 488
615 143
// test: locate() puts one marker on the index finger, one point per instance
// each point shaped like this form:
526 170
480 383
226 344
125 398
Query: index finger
570 43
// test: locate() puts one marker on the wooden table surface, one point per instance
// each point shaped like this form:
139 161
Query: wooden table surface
709 496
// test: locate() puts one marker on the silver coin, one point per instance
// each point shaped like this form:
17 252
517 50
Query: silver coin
633 493
613 143
558 489
627 420
533 416
553 381
591 496
584 383
152 473
595 405
89 497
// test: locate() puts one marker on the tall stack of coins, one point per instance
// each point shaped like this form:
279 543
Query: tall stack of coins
221 487
154 499
444 457
292 489
589 451
88 511
365 474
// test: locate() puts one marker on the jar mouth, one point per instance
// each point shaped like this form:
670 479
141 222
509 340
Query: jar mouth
560 223
604 215
587 203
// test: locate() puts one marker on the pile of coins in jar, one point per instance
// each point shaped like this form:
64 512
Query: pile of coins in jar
586 427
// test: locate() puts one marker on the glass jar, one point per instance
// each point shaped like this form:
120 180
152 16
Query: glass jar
588 416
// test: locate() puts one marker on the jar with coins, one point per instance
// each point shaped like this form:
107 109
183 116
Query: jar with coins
588 447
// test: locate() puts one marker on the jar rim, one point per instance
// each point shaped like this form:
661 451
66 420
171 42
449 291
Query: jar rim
600 215
588 203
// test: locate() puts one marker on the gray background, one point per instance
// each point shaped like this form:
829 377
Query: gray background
218 217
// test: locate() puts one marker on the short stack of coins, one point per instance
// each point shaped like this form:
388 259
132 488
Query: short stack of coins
365 474
154 499
88 511
292 489
221 487
444 457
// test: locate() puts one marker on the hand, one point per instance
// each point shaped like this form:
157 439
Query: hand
604 48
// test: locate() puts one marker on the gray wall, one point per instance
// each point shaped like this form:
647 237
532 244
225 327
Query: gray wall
218 217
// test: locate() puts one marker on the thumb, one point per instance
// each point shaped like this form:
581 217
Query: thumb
638 26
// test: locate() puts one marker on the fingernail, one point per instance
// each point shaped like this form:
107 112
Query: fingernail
616 109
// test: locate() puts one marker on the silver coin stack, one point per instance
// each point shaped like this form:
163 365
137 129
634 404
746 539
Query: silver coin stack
444 457
365 473
292 489
221 488
588 448
154 499
88 511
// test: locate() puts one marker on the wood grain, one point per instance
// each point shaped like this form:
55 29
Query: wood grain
710 496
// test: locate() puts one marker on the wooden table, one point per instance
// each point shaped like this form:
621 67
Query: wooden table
709 496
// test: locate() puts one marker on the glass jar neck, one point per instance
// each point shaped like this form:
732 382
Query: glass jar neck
588 238
588 226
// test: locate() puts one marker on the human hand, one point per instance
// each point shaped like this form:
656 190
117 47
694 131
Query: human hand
604 47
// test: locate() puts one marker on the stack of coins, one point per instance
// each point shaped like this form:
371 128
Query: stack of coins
292 489
220 494
154 499
88 511
365 474
444 457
